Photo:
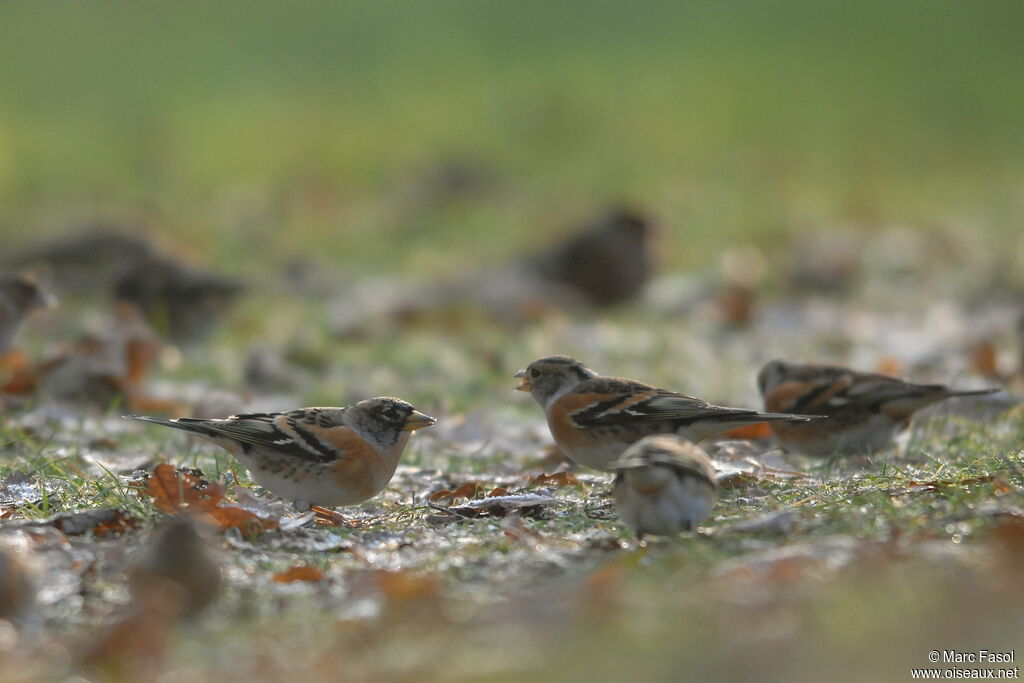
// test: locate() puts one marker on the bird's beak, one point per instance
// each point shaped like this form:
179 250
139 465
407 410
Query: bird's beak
417 420
524 385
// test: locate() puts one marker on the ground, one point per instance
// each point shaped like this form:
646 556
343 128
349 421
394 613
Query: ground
336 161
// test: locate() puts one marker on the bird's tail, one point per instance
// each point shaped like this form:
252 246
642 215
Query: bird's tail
785 417
186 424
741 416
971 392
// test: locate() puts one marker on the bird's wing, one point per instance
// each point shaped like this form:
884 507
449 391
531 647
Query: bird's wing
683 464
609 401
687 466
836 389
298 433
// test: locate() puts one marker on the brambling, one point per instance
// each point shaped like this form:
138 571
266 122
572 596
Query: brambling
606 262
664 484
315 456
594 418
177 567
865 410
183 302
20 295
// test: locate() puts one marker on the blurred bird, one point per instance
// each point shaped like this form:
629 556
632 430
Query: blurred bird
594 418
181 301
316 456
174 580
20 295
267 370
16 590
178 568
865 410
184 302
664 484
829 261
87 260
607 262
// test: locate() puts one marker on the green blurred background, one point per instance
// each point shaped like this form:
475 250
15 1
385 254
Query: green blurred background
281 128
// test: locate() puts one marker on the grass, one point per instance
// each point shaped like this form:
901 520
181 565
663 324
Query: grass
249 131
254 135
572 593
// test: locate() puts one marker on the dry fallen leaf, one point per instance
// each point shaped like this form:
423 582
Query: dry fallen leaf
984 360
16 589
135 645
405 586
155 406
1007 547
601 593
13 360
889 365
468 490
299 573
938 485
20 381
1009 537
174 491
735 304
185 491
16 373
101 522
513 527
555 479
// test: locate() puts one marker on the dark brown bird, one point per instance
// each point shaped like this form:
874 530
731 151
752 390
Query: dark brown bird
88 259
182 302
178 568
606 262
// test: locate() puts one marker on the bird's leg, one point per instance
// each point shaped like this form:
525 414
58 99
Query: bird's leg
332 516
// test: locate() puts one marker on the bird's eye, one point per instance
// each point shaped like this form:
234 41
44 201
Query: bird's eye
534 372
390 413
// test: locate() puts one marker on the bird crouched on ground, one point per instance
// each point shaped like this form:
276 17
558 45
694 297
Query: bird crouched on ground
316 456
664 484
608 261
593 419
177 567
866 410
